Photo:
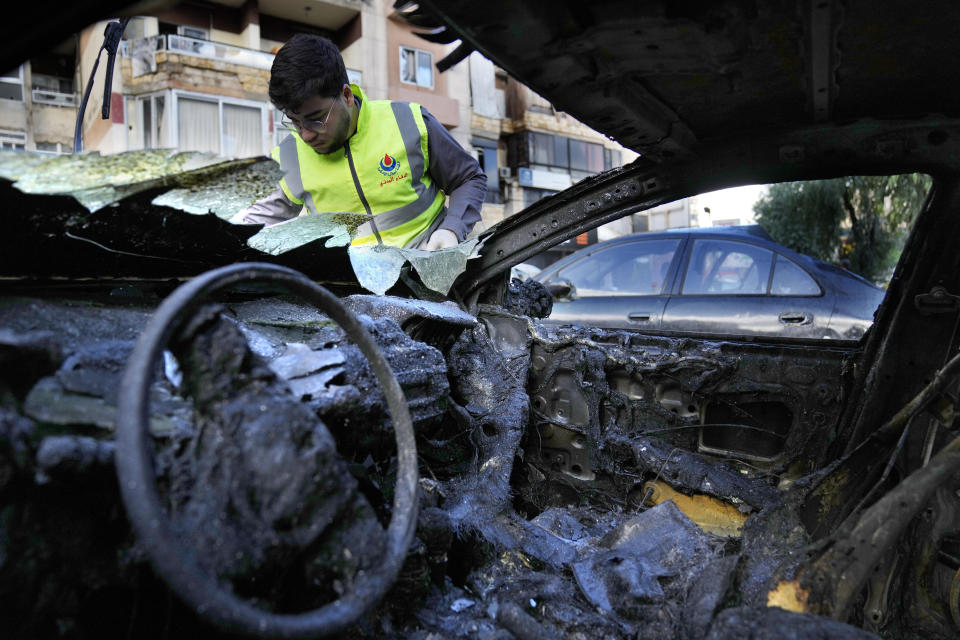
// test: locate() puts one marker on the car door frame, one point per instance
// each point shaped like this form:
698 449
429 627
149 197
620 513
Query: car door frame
658 302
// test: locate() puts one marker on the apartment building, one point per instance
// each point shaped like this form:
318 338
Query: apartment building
38 102
528 148
194 77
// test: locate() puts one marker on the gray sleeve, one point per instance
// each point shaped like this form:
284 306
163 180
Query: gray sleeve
271 210
459 175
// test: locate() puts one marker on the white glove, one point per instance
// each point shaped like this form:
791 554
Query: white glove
238 218
442 239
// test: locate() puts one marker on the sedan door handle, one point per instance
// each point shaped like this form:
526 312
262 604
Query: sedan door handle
638 317
795 317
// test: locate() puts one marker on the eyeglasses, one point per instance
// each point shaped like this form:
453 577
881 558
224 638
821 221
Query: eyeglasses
313 125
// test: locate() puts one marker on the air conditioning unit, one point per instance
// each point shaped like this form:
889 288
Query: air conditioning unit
505 173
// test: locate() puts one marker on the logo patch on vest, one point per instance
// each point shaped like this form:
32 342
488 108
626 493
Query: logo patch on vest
389 165
390 168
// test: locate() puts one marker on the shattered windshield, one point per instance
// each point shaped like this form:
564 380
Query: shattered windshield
205 185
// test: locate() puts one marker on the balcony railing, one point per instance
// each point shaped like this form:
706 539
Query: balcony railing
42 96
206 49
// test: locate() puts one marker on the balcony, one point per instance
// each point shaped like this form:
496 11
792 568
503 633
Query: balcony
57 99
199 48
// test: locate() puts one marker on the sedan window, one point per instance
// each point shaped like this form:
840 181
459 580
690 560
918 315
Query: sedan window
790 280
635 268
724 267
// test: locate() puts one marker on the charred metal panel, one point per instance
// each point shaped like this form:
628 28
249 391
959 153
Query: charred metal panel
755 430
821 55
769 406
906 346
931 569
511 539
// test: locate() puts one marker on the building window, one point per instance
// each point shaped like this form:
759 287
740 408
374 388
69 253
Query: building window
16 140
561 152
226 128
565 153
51 148
486 151
532 195
190 40
611 158
53 90
198 125
11 85
51 79
193 32
416 67
241 131
586 156
149 113
578 157
52 83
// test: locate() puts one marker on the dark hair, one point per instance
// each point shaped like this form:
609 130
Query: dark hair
306 66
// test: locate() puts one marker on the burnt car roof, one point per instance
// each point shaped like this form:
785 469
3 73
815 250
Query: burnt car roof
665 78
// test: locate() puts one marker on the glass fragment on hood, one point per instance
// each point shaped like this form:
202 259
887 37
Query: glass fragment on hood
223 189
97 180
438 269
378 266
296 232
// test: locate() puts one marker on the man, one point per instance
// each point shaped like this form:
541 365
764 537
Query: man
391 160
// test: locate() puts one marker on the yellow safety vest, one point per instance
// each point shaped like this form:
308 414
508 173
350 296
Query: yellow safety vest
381 171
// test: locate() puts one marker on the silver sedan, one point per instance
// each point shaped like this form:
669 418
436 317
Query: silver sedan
721 280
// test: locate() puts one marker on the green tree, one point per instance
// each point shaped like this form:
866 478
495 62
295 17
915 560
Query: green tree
862 219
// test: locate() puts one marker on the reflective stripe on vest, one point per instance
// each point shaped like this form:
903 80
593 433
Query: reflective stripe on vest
405 201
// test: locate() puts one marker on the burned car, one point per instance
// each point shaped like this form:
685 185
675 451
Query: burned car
198 439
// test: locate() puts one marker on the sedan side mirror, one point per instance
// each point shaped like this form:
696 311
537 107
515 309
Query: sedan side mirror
561 289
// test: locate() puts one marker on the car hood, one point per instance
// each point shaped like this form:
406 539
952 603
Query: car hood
158 214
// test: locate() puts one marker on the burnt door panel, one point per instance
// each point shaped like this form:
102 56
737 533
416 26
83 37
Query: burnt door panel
599 396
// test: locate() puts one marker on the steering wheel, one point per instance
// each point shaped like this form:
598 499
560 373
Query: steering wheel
138 489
